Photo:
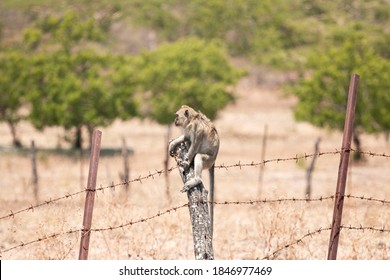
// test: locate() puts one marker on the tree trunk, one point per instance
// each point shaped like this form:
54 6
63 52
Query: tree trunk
78 142
15 141
79 145
90 128
356 141
199 210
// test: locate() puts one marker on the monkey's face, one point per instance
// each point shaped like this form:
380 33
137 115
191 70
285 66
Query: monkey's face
182 117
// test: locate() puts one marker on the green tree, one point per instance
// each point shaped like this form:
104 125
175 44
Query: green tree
70 29
125 84
74 86
323 96
13 88
189 71
76 91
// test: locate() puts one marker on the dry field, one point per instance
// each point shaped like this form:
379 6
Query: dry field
241 231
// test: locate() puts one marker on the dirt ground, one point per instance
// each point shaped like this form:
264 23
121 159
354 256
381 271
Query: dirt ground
241 231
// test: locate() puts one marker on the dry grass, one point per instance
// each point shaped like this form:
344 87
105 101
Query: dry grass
241 231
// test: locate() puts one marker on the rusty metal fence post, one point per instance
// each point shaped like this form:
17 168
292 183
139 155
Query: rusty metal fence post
343 167
90 195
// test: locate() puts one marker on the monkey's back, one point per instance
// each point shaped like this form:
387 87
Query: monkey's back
208 135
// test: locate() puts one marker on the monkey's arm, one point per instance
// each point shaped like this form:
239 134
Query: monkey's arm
174 143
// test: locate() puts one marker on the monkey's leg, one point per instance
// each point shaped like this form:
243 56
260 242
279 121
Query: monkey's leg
198 167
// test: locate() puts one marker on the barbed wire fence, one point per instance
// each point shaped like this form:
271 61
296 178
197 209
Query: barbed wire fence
157 173
239 165
250 202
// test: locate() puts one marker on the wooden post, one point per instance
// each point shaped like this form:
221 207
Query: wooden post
34 170
311 168
166 162
126 169
262 166
79 144
90 195
343 167
199 210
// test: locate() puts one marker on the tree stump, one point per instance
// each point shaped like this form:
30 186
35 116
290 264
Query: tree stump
198 207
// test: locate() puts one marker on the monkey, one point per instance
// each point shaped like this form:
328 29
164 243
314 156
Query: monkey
203 137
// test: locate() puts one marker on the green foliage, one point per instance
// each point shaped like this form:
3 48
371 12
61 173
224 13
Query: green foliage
32 38
69 87
13 86
70 29
124 85
72 85
156 14
210 19
266 31
323 96
65 82
190 71
275 32
70 91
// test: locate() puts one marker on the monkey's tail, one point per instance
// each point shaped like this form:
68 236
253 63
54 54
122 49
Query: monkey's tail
212 186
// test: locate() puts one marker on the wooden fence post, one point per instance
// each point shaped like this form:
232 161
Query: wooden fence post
310 169
343 167
34 170
199 211
262 166
126 168
90 195
166 163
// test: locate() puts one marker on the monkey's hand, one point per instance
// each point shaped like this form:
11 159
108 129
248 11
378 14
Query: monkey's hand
172 148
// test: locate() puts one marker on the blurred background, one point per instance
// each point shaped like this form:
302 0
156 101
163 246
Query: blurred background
273 75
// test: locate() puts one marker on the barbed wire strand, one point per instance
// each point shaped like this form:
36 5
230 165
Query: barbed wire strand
267 257
295 242
262 201
299 157
160 172
131 223
320 199
279 200
71 195
320 230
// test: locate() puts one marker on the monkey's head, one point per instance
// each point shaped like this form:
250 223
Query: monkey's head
184 116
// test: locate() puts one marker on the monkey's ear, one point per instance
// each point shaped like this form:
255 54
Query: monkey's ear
186 113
